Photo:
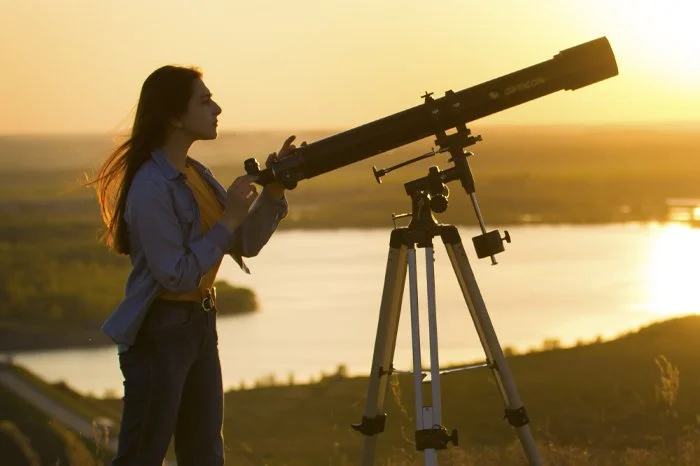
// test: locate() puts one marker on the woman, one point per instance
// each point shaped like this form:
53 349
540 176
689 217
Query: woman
176 222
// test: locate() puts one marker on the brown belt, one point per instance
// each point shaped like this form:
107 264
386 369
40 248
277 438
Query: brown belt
207 300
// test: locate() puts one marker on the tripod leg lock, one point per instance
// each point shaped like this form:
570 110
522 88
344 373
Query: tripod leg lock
371 425
436 438
517 417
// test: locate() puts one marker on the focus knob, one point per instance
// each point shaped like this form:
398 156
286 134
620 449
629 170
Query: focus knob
438 203
251 167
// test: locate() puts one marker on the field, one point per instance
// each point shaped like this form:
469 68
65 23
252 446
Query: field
631 401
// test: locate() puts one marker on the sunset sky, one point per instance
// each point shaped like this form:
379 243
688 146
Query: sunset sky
77 66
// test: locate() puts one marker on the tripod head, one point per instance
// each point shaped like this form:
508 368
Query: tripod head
430 193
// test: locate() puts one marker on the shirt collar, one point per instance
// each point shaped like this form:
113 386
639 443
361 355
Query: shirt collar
198 166
164 164
171 172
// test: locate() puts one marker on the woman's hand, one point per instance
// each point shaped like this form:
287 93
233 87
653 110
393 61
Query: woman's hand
240 196
275 189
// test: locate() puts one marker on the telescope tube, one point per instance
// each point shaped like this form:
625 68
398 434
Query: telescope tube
570 69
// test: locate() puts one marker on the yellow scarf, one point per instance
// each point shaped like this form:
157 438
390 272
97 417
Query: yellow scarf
210 211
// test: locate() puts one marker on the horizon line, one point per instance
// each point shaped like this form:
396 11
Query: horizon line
229 131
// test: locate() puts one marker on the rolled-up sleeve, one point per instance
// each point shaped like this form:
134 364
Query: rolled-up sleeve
259 225
178 266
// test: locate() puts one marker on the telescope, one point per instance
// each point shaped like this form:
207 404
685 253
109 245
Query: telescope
570 69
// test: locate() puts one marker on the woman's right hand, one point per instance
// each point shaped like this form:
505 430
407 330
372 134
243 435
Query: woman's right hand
240 196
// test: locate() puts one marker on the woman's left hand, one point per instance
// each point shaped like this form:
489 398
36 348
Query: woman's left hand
276 189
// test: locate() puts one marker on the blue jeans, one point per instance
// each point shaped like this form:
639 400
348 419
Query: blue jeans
172 385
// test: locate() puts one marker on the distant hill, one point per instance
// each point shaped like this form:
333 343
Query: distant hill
520 148
579 174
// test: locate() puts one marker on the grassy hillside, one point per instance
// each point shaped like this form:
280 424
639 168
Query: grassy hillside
58 283
631 401
29 437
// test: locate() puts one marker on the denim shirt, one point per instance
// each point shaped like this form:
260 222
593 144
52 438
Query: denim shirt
167 251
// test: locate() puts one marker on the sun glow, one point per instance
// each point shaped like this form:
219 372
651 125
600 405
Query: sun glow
327 64
664 35
673 271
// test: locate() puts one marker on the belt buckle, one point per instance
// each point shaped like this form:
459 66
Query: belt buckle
208 303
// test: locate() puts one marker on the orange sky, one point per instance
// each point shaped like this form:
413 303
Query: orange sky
77 65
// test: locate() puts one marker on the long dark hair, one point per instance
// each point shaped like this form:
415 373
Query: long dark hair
165 95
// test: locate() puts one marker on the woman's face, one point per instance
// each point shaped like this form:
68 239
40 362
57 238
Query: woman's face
200 119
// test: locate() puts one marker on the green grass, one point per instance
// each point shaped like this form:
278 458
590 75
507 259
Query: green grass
630 401
40 436
58 283
62 393
634 400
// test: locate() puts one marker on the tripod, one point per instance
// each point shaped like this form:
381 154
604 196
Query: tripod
430 194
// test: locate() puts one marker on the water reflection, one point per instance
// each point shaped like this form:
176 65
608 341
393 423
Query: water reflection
673 270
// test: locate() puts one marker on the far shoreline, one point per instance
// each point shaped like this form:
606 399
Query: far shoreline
26 341
18 339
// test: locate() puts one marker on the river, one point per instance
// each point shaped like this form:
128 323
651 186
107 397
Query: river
319 295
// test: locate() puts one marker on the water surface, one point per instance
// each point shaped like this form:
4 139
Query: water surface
319 295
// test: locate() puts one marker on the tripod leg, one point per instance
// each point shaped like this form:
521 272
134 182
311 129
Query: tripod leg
515 411
394 281
432 416
424 415
432 327
415 336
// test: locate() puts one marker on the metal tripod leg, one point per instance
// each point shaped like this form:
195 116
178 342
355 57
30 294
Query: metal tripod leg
515 411
427 416
384 346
